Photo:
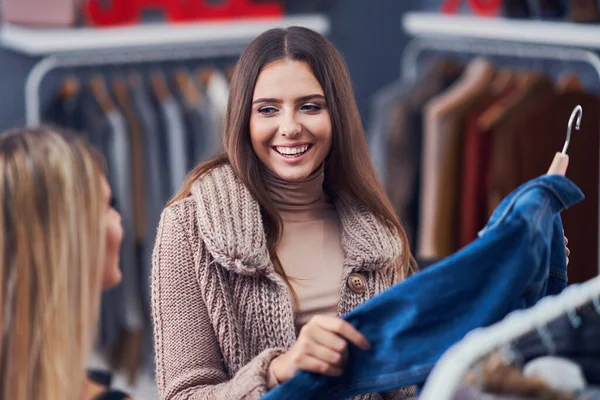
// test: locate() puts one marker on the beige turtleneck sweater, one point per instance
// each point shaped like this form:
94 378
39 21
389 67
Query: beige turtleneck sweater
310 250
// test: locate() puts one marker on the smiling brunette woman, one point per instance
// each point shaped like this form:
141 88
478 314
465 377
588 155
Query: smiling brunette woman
267 245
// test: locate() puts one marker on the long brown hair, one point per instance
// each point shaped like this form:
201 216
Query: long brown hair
51 262
348 167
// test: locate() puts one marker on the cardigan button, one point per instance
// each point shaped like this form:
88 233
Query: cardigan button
357 283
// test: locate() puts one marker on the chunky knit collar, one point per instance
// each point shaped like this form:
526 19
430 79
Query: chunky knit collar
231 227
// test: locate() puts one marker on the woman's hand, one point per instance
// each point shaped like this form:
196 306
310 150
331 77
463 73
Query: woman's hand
321 347
567 249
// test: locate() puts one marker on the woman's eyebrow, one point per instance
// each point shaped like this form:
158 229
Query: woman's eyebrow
298 100
267 100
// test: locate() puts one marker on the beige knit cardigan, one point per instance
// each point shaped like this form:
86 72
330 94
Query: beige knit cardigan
220 312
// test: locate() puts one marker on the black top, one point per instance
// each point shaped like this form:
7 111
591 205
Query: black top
105 379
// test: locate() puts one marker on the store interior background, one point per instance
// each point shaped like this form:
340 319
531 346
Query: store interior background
368 33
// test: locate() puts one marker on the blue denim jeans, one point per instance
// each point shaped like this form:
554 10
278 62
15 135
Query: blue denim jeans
518 258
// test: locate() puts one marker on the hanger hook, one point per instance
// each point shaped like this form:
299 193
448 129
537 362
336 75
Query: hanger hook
578 111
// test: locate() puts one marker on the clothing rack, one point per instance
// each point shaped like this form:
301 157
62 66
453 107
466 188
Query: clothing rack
48 64
143 43
426 37
416 47
450 369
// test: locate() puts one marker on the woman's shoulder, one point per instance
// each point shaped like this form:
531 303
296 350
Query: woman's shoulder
207 211
205 189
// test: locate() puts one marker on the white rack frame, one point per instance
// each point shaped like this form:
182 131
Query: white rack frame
435 37
86 47
566 34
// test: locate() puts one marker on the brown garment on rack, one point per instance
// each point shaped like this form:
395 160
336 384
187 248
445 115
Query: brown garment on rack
188 89
584 11
404 143
445 119
540 133
536 89
100 94
569 83
477 147
137 153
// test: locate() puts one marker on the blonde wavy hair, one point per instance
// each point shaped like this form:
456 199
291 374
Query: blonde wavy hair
51 261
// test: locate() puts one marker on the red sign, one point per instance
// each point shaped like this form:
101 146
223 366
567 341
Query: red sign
482 8
120 12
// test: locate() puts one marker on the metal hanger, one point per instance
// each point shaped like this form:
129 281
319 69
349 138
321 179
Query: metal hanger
560 162
577 112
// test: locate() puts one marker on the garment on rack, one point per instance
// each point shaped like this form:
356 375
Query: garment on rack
98 130
208 144
475 162
66 109
561 356
558 372
402 146
580 345
120 149
512 265
123 100
200 128
217 92
176 143
541 129
153 177
498 379
379 126
445 122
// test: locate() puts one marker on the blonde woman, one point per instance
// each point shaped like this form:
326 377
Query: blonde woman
59 246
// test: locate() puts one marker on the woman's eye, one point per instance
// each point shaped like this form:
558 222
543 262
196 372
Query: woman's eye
267 110
311 107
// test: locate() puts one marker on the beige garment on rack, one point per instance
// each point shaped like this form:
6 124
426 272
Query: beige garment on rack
445 121
403 145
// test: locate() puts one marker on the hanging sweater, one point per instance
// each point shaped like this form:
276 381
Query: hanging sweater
221 313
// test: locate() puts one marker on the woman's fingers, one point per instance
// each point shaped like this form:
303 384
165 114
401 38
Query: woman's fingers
313 364
325 353
329 339
344 329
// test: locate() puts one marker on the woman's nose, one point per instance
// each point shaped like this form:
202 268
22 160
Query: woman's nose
290 127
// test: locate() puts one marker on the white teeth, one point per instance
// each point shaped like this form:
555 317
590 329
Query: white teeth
291 151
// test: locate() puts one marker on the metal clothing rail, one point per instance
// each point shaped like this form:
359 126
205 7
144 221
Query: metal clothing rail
111 57
418 46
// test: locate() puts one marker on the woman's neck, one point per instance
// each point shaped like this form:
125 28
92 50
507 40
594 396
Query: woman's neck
297 196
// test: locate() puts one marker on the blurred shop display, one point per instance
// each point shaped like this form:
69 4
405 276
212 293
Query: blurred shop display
65 13
46 13
581 11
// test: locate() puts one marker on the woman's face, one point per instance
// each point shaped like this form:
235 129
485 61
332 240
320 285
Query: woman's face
290 126
114 235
